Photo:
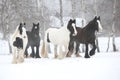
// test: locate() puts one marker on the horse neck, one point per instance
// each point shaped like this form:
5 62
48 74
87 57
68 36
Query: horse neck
89 27
35 32
68 25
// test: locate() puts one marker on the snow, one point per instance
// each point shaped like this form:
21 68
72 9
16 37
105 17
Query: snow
101 66
4 48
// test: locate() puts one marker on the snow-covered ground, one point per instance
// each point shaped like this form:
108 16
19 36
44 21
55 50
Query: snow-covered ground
101 66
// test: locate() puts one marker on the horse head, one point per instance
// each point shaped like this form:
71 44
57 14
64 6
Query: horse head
97 23
35 28
72 27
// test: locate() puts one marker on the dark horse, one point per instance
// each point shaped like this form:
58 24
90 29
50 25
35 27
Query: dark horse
85 36
33 41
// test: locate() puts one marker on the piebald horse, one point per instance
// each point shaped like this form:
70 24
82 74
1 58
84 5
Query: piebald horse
18 43
59 37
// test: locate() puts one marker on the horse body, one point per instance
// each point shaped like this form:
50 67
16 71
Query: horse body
59 37
33 41
56 35
18 43
85 36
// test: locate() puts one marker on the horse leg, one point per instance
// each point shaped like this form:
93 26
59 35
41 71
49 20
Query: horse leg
60 52
33 52
66 50
70 48
20 56
14 61
26 52
55 51
92 52
37 52
77 49
86 52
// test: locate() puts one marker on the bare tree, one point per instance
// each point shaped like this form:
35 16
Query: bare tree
95 9
83 17
113 29
61 13
73 3
7 16
113 26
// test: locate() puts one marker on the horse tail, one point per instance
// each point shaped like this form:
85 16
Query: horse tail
44 47
48 40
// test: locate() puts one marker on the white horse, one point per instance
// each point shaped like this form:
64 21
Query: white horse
19 41
59 37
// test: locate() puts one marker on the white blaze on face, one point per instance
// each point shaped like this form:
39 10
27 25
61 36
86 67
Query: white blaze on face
35 27
75 31
24 32
99 25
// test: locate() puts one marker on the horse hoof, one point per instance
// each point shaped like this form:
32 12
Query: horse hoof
87 56
77 55
14 62
31 55
38 57
92 53
55 56
68 55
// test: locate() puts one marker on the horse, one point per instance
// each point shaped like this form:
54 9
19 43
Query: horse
85 36
59 37
18 43
33 41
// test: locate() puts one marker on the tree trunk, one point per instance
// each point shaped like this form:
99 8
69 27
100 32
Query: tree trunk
95 9
73 8
113 26
114 46
98 49
61 13
108 44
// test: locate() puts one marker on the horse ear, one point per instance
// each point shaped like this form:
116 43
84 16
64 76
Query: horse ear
38 24
70 19
95 18
74 20
98 17
20 28
20 24
24 23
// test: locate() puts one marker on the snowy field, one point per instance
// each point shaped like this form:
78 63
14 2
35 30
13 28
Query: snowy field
101 66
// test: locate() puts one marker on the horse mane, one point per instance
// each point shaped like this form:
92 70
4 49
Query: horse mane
90 26
20 28
16 31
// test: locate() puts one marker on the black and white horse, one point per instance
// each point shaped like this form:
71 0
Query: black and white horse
59 37
85 36
33 41
18 43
